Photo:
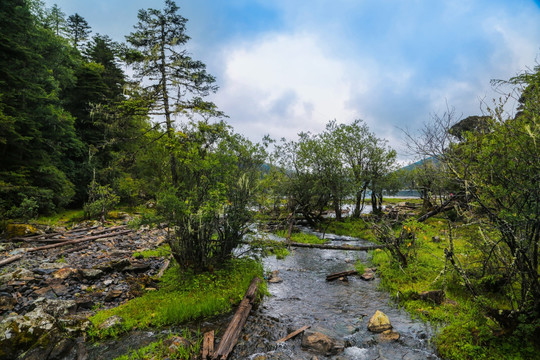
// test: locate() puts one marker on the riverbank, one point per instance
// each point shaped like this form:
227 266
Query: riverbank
464 330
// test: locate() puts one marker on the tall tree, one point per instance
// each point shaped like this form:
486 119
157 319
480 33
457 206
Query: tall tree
36 134
55 19
78 29
177 83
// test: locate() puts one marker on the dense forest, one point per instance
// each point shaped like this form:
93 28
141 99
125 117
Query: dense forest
77 132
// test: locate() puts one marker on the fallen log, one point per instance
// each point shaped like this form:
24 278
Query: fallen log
340 274
47 237
10 260
231 335
293 334
339 247
63 243
166 264
208 345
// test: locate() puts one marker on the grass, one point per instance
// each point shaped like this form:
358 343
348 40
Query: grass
466 333
162 251
350 227
182 297
159 350
61 218
300 237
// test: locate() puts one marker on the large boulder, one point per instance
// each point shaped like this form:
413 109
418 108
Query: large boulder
321 343
19 332
379 322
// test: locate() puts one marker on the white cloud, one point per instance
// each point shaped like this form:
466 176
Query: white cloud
285 83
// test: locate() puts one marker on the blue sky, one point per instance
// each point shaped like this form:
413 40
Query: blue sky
285 66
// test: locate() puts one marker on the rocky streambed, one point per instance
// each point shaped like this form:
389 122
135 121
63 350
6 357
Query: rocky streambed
47 295
337 312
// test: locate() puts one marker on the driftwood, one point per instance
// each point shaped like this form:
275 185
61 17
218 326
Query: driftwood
339 247
64 243
293 334
230 337
208 345
340 274
164 267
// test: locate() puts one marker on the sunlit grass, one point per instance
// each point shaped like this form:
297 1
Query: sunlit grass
183 296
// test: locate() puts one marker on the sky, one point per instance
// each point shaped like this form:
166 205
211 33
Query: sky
286 66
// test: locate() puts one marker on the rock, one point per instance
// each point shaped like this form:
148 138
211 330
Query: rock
111 322
18 332
379 322
321 343
57 308
367 275
116 265
90 274
84 302
49 266
112 294
176 342
274 278
435 296
17 275
64 273
137 267
388 335
16 230
7 302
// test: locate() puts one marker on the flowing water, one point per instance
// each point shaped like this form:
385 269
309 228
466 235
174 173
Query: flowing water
336 308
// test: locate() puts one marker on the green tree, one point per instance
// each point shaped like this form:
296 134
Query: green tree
55 19
209 209
78 29
37 138
176 82
353 141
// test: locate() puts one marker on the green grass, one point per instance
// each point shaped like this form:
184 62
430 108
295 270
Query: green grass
350 227
161 251
465 332
158 350
66 217
300 237
182 297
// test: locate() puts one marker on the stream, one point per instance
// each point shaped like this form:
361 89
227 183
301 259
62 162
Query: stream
338 309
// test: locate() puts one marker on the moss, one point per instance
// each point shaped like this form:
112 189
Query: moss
16 230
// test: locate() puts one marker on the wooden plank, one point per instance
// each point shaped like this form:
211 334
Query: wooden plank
340 274
293 334
208 345
339 247
231 335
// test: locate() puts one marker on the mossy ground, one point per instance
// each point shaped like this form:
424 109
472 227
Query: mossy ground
465 332
182 297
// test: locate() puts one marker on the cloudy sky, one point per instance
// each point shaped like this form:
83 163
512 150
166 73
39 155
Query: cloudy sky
285 66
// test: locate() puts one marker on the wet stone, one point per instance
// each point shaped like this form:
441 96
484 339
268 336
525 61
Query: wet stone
379 322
